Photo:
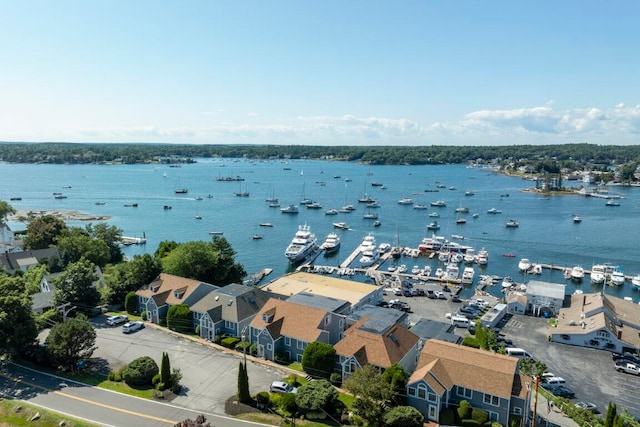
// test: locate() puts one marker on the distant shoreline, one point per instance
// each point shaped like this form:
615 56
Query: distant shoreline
65 215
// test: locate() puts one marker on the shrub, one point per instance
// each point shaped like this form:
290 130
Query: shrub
198 330
143 315
480 416
288 403
111 375
471 342
162 322
514 421
281 357
403 416
318 359
253 349
315 415
180 318
117 377
156 379
336 379
447 416
464 410
140 371
262 397
230 342
131 303
243 346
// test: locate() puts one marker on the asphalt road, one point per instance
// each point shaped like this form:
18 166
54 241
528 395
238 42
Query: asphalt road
589 373
93 404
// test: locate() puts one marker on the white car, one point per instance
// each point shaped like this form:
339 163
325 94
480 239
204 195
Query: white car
117 319
130 327
282 387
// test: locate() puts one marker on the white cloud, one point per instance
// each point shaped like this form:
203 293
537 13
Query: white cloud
544 124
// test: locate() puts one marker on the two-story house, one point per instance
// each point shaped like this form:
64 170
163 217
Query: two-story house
288 328
448 373
227 310
378 338
167 290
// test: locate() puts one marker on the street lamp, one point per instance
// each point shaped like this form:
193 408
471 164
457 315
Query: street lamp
244 347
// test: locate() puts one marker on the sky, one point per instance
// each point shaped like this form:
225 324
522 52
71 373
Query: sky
330 72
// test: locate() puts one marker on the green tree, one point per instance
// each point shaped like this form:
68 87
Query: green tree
179 318
403 416
131 303
5 209
133 275
76 286
17 325
317 395
110 235
165 248
397 378
42 232
71 341
165 370
318 359
210 262
243 394
370 391
76 243
140 371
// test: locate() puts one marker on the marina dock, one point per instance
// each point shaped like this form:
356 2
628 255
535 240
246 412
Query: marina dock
127 240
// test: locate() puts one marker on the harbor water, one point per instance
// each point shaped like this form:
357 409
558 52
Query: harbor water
546 233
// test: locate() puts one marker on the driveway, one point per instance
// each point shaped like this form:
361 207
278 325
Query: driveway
209 375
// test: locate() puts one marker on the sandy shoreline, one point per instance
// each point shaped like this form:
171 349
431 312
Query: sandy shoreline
65 215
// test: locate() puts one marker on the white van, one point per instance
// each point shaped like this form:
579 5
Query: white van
460 321
517 352
554 382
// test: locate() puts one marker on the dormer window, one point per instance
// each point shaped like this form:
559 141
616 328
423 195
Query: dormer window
267 318
178 294
153 288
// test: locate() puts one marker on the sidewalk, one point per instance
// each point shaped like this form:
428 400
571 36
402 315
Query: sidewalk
551 414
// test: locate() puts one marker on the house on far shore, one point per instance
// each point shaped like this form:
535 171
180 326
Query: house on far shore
167 290
449 373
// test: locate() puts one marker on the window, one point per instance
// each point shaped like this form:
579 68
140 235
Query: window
491 400
603 334
517 410
493 416
269 347
327 320
412 391
229 325
464 392
433 410
341 323
431 397
287 341
300 345
422 391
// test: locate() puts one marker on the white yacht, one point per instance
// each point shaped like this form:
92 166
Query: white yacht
617 277
512 223
467 274
494 211
369 251
452 271
405 201
483 257
635 281
577 273
303 243
597 274
291 209
331 243
524 264
341 225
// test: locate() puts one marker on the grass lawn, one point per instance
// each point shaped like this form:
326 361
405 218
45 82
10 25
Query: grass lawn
10 416
296 366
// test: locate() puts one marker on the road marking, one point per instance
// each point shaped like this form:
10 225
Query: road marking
91 402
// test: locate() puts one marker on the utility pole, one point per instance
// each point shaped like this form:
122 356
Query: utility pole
64 311
243 336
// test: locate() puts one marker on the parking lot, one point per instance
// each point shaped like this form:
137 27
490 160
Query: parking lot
588 372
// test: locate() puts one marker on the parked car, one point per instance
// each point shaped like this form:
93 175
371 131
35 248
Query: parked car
455 298
117 320
626 358
282 387
440 295
420 292
130 327
431 294
587 406
563 391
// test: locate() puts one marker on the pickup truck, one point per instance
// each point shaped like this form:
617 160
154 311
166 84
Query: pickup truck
628 368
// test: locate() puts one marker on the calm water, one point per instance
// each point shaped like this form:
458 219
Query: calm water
546 233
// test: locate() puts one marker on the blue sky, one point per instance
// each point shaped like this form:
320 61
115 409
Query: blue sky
323 73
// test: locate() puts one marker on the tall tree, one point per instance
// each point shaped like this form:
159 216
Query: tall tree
17 326
370 390
110 235
5 209
43 232
318 359
243 394
397 378
211 262
76 285
76 243
71 341
165 370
